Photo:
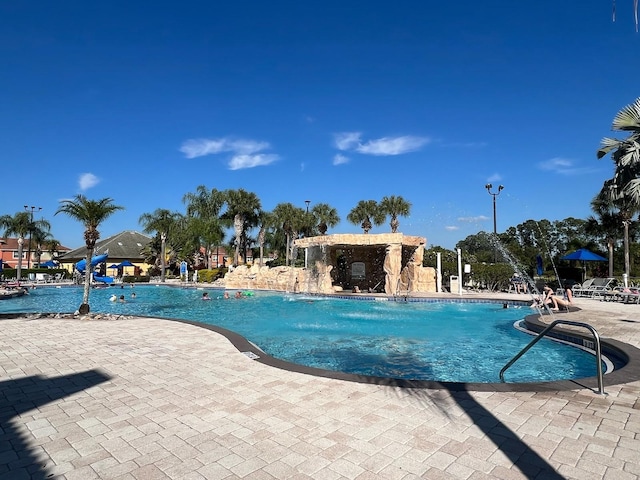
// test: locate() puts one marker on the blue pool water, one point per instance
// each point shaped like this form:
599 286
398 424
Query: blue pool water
444 341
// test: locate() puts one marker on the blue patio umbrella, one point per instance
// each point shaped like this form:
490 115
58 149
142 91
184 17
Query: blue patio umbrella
125 263
585 256
49 264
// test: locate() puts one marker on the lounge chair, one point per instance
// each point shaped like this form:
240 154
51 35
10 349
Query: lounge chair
581 290
597 287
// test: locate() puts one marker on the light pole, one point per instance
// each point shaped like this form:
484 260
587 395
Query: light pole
26 207
307 202
488 186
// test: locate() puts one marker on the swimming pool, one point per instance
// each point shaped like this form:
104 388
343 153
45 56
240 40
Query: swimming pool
438 341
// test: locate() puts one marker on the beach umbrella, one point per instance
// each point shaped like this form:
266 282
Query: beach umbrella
584 255
49 264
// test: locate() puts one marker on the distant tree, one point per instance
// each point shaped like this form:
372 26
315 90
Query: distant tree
91 213
266 221
395 206
242 213
162 222
290 220
326 216
205 206
18 225
366 214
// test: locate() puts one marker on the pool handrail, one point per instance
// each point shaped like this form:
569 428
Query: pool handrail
538 337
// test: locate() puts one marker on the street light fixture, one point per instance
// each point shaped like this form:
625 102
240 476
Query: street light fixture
26 207
307 202
489 186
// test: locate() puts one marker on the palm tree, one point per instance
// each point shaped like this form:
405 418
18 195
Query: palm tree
395 206
623 190
39 236
290 219
326 215
91 213
242 213
605 224
163 222
205 206
19 225
366 212
266 221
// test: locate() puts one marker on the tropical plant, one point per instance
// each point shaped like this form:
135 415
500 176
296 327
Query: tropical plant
91 213
162 222
266 220
326 216
605 224
18 225
366 214
242 213
290 219
204 205
623 190
395 206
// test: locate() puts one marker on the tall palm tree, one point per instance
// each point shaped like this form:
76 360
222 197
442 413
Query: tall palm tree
623 190
326 215
162 222
205 205
395 206
266 221
19 225
605 224
367 213
91 213
290 219
242 213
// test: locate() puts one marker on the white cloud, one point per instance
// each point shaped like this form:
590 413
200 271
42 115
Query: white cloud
479 218
451 228
340 159
565 166
347 140
392 145
384 146
246 153
238 162
556 164
87 180
496 177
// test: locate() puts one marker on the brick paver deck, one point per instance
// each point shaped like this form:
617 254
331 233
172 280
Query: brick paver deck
150 399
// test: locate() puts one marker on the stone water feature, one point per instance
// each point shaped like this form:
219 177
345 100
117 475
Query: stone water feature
389 263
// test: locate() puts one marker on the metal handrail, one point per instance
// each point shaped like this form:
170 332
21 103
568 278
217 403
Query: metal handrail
596 339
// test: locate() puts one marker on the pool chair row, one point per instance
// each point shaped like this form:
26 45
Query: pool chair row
622 294
593 287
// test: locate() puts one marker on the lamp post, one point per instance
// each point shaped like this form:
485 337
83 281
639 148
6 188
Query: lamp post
489 186
26 207
307 202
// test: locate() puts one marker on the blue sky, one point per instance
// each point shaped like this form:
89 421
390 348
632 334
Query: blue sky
329 101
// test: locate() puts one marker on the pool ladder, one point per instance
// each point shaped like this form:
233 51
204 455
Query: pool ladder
596 341
406 292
